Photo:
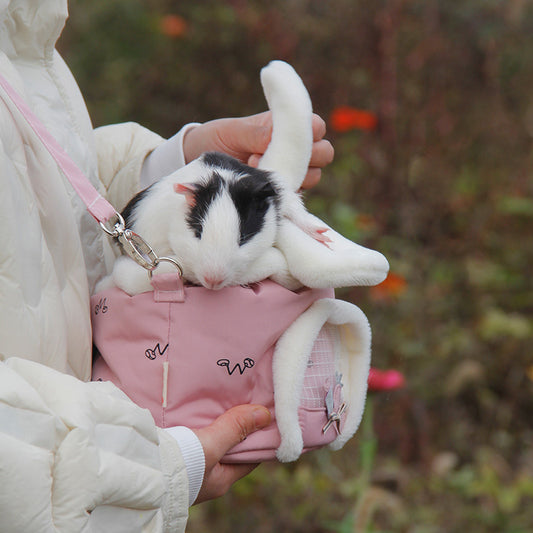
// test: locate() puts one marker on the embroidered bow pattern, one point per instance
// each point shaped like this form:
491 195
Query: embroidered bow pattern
247 363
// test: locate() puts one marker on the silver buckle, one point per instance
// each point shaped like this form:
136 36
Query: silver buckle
136 247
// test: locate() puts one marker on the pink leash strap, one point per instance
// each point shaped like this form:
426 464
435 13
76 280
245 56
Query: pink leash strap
97 206
132 244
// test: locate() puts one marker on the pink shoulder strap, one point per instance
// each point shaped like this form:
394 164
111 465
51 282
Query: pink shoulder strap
132 244
98 206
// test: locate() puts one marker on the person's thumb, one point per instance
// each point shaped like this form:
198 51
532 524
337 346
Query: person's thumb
256 133
230 428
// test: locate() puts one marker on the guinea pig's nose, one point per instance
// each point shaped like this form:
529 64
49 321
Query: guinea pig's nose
213 281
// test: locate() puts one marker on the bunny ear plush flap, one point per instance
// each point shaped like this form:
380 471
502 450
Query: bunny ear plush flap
316 255
337 263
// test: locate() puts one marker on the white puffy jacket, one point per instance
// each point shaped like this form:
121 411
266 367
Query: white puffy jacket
75 456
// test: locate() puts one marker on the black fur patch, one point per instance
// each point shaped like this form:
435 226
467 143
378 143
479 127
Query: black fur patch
252 192
253 196
204 196
225 162
128 213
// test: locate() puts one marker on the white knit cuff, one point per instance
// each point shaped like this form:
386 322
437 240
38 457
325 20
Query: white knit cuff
193 457
166 158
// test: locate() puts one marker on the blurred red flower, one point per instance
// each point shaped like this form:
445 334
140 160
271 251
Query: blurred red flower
173 26
345 118
382 380
393 285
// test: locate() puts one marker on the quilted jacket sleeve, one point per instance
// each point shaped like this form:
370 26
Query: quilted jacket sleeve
121 150
81 457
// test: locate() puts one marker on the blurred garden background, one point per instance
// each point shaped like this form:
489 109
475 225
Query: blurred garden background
429 105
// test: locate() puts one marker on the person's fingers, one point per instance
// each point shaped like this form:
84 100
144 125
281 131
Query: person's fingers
240 137
322 154
252 138
311 178
229 429
265 120
253 160
220 479
261 119
224 433
319 127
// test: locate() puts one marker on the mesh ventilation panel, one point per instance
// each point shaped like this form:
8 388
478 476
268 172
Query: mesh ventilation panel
320 374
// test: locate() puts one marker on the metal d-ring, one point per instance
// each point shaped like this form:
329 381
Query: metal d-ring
166 260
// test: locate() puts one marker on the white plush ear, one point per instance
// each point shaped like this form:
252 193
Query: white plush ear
338 263
289 151
314 257
351 353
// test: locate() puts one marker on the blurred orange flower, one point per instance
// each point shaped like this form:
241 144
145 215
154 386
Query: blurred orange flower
365 222
173 26
347 118
394 285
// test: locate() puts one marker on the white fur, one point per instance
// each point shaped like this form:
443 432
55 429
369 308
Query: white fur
293 252
160 218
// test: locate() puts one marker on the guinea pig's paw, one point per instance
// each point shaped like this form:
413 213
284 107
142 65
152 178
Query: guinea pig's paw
280 270
130 277
287 280
272 262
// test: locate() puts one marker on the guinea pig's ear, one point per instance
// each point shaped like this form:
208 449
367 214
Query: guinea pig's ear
261 188
188 190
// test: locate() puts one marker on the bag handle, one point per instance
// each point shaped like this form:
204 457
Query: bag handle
100 209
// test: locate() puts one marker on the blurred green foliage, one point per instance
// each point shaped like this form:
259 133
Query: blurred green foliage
443 187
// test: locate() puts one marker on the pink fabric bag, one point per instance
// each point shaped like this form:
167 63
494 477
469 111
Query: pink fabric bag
188 354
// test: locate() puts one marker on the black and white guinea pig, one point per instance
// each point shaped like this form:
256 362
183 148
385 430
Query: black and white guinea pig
216 216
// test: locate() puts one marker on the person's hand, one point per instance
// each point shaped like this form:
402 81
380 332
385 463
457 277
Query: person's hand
247 139
218 438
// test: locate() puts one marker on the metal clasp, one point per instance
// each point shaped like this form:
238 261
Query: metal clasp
136 247
118 227
335 418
